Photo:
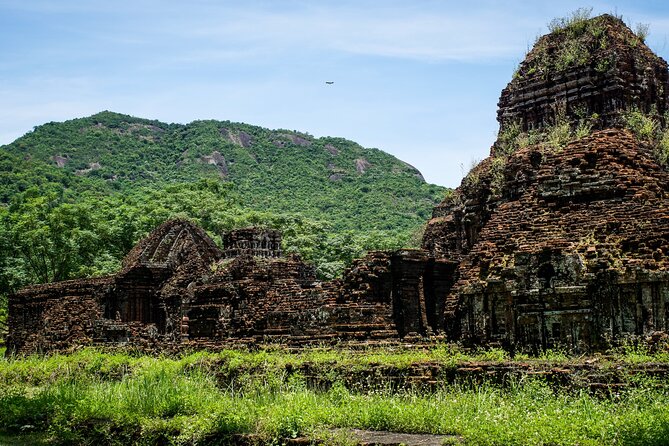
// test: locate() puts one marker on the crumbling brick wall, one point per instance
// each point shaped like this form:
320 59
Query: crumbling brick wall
575 254
55 316
178 289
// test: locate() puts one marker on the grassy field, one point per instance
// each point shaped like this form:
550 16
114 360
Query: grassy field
91 397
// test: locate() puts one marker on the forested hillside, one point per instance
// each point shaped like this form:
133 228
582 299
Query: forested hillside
75 196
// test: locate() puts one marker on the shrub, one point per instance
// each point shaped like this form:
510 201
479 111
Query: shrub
575 22
472 178
583 128
642 30
643 126
497 168
571 53
663 148
507 140
559 134
649 129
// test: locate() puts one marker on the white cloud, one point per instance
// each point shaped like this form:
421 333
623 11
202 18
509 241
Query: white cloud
405 32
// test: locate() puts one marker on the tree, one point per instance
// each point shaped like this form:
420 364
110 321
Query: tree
51 239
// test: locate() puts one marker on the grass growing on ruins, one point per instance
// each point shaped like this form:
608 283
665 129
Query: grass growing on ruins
121 398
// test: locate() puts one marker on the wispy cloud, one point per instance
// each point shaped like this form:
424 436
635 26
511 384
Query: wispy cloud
422 30
201 30
404 32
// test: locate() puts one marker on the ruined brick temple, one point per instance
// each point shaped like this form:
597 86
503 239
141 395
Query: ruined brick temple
177 288
540 246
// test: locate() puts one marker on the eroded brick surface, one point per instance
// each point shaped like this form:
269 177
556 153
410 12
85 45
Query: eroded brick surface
178 290
575 253
542 247
619 72
564 246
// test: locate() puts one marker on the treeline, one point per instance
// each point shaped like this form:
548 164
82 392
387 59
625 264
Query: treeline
45 237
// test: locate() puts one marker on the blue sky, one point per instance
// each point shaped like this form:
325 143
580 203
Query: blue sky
419 79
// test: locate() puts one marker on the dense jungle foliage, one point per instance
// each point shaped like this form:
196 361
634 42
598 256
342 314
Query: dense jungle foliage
76 196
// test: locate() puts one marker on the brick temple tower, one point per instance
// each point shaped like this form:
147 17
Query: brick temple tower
254 242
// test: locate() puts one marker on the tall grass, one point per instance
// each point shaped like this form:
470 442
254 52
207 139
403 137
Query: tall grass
90 397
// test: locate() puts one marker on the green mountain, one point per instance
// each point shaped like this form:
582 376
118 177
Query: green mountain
278 170
76 195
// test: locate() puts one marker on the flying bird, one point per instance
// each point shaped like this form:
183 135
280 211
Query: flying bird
329 82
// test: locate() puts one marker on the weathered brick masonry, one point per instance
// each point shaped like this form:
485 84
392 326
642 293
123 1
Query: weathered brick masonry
178 289
575 253
618 73
564 246
558 246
